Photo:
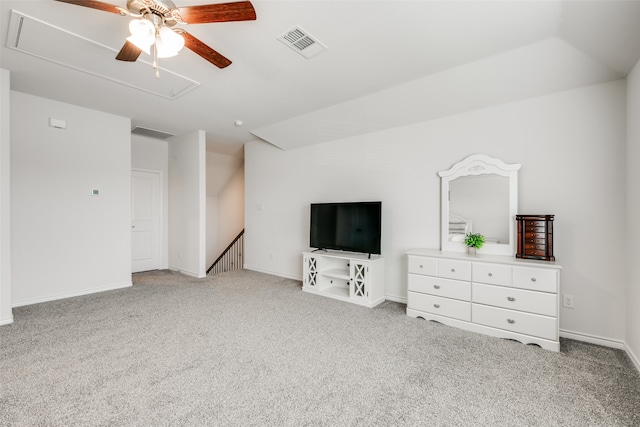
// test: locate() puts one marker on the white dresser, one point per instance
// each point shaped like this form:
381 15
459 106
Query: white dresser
491 294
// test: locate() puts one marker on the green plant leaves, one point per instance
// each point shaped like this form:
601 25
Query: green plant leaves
474 240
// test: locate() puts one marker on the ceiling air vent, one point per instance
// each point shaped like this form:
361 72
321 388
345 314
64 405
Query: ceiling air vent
300 41
150 133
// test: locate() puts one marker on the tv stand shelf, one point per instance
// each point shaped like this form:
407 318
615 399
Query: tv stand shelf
337 273
344 276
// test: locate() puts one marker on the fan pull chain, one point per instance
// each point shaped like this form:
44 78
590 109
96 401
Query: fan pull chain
155 61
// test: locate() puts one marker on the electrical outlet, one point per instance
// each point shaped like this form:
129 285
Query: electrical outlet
568 301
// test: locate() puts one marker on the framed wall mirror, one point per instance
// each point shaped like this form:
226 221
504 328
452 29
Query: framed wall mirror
479 194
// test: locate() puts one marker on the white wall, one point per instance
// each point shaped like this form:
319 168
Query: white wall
187 203
220 170
570 145
231 209
213 250
6 315
633 213
64 240
150 154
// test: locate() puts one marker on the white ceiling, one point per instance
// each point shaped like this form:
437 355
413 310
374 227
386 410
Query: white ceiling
388 63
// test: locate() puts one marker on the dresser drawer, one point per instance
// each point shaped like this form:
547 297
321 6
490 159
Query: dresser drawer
516 299
440 287
516 321
535 252
534 246
536 279
533 235
442 306
421 265
529 224
495 274
453 269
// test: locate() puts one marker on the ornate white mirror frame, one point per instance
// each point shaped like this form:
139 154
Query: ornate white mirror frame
479 164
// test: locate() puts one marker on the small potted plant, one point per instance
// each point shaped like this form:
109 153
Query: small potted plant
474 241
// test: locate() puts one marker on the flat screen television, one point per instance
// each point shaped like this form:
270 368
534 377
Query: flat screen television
351 227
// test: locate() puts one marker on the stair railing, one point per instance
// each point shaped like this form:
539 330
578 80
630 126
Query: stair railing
231 258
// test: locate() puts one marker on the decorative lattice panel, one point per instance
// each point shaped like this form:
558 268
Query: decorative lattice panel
312 271
359 280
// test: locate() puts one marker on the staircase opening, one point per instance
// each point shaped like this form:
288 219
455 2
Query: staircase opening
231 258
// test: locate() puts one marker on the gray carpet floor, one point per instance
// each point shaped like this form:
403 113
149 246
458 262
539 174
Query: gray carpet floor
245 348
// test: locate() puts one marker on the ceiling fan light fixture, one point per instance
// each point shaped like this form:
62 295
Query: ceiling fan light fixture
140 44
168 43
152 16
142 34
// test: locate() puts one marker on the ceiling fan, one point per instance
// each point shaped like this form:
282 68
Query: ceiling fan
152 29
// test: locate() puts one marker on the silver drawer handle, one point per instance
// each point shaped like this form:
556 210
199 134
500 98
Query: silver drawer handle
533 279
420 265
490 274
436 305
511 321
511 299
436 286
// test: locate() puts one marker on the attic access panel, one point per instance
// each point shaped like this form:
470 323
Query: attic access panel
46 41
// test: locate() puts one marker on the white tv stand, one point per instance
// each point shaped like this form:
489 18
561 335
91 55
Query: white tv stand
345 276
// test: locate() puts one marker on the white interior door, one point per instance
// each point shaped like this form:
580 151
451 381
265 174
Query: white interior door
145 221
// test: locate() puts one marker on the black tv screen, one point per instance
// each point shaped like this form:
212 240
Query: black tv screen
352 227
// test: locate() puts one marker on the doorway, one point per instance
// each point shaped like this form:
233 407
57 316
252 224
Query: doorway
146 208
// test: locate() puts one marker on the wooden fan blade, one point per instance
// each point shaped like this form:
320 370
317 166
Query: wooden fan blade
222 12
129 52
93 4
204 51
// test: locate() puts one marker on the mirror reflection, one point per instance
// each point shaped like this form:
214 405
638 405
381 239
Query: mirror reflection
479 204
479 194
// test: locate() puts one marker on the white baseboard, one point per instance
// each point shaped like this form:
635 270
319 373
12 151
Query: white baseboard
634 358
70 294
6 321
187 273
191 274
606 342
273 273
402 300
